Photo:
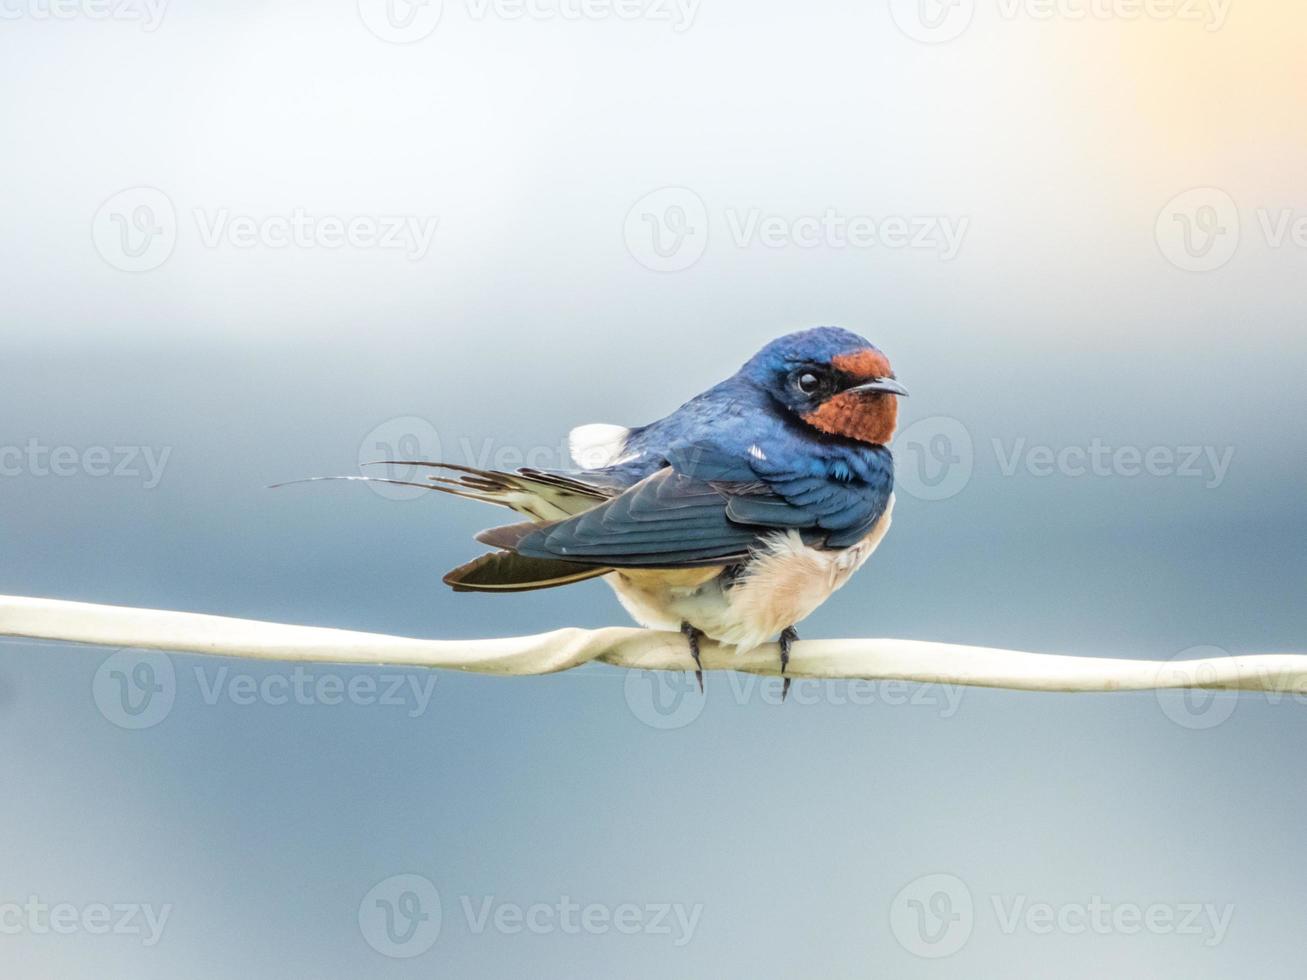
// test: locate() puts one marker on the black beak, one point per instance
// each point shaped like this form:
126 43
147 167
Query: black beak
886 386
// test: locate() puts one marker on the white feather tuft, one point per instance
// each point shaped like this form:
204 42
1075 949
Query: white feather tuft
597 445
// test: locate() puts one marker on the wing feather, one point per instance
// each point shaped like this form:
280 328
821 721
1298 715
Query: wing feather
709 507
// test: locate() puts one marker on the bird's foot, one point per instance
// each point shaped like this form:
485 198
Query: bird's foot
788 636
692 634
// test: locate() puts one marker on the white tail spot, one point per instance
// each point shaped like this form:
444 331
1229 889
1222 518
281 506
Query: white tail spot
597 445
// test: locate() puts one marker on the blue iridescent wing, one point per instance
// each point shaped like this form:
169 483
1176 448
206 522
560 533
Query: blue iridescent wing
709 506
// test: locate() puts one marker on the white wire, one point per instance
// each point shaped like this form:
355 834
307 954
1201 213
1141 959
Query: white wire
543 653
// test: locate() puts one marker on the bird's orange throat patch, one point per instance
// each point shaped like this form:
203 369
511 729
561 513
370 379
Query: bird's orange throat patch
864 416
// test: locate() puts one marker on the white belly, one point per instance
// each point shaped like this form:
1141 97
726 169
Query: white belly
781 585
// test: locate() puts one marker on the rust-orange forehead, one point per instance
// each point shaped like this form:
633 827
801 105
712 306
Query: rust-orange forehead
864 363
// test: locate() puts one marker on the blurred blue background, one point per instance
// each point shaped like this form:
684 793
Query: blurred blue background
1127 189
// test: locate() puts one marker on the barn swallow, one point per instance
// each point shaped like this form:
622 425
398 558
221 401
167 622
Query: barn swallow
734 517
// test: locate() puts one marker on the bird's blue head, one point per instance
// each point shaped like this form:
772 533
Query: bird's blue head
832 380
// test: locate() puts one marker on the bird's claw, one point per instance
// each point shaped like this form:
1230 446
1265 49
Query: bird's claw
692 635
788 636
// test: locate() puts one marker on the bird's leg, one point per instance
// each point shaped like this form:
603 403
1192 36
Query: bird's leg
788 636
692 634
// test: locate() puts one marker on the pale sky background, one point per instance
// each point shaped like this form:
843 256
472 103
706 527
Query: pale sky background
1074 314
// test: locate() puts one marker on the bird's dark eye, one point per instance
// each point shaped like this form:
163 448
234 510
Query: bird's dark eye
808 382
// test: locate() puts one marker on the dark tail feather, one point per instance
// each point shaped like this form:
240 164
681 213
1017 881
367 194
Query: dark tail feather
507 536
503 571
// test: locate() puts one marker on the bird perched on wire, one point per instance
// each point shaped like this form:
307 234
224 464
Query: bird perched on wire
734 517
